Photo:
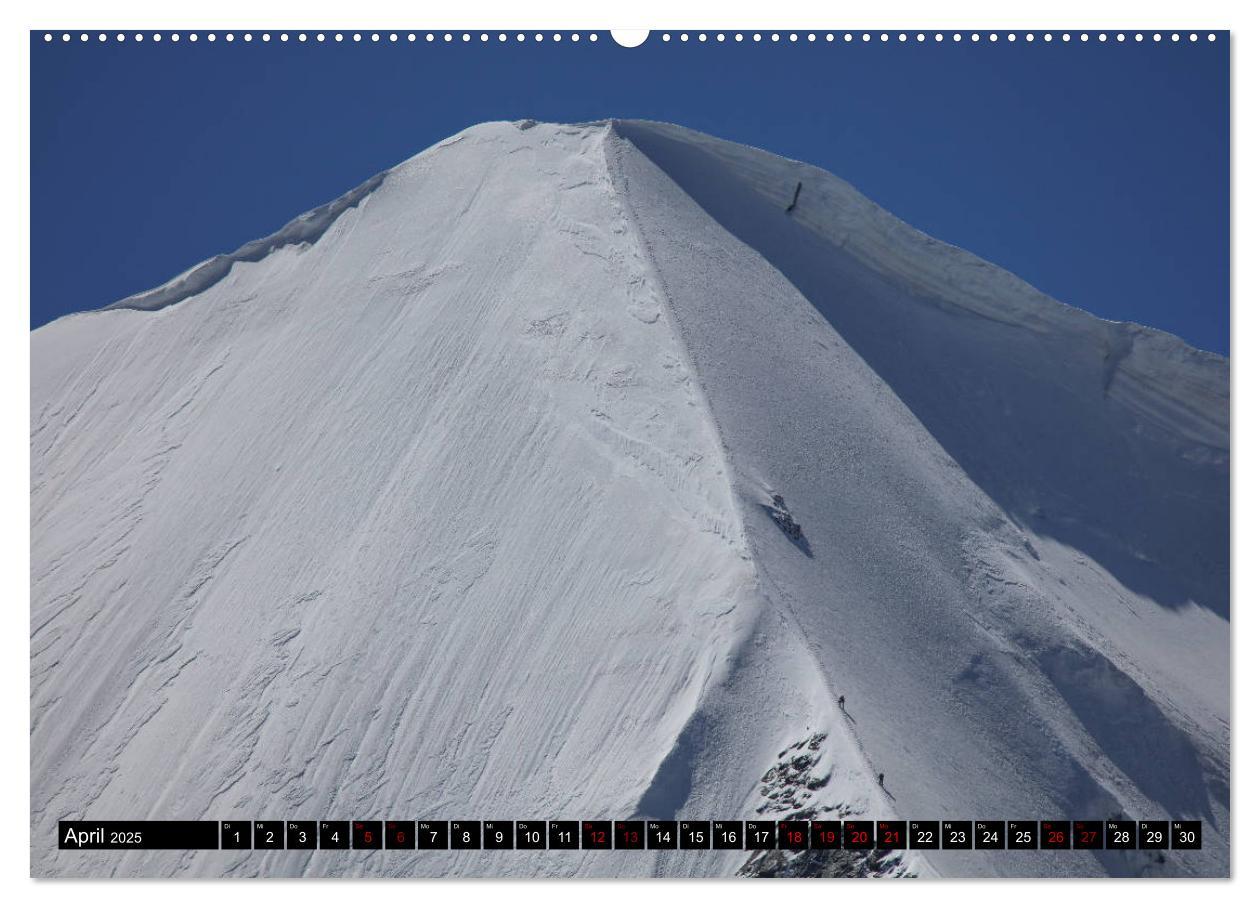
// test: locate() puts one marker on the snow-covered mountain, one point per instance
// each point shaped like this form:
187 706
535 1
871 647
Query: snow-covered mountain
456 498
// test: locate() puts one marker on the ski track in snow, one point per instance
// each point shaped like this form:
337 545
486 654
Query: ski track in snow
451 499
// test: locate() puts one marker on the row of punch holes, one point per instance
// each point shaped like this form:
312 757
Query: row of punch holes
631 40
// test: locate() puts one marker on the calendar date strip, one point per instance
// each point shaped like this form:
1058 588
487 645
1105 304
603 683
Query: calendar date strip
629 835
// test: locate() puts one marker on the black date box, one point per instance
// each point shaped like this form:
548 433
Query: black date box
496 835
433 834
400 834
759 835
793 836
366 834
597 835
925 833
334 835
630 834
695 835
859 835
235 834
300 834
1055 834
268 834
466 835
1187 834
531 835
662 834
1121 834
890 835
1021 835
1153 834
826 834
728 834
956 835
990 835
562 835
1087 834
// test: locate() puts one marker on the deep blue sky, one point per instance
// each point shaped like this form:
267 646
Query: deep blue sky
1097 172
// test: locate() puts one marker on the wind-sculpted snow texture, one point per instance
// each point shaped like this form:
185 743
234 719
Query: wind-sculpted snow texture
456 499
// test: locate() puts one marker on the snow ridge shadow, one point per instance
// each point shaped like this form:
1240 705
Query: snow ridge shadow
671 787
1157 756
1026 426
305 229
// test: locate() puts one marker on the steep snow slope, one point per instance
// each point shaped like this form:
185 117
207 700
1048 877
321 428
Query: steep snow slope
1016 536
426 518
450 498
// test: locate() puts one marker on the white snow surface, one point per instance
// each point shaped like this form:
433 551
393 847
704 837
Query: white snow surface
451 500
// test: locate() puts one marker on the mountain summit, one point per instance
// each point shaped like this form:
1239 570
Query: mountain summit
579 471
